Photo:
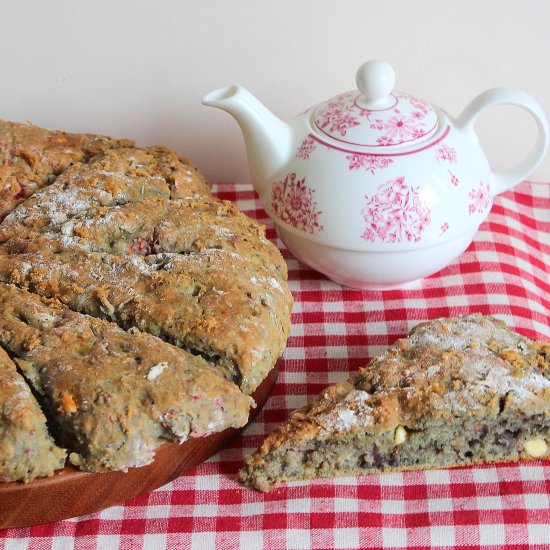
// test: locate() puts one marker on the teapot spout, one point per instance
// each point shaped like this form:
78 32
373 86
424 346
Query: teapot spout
268 139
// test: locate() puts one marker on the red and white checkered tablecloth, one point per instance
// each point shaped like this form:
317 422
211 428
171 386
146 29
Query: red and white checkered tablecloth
505 272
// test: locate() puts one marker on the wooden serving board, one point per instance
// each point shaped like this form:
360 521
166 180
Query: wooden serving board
70 492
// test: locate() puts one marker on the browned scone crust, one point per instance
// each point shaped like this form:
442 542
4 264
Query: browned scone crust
123 238
456 391
31 157
113 396
93 225
113 239
27 451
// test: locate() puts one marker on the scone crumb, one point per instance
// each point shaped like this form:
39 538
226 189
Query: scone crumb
17 277
47 287
513 357
68 405
31 342
494 345
209 323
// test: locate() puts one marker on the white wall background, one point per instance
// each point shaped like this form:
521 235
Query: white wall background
136 68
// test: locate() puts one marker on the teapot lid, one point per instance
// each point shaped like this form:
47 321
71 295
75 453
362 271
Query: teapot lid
376 115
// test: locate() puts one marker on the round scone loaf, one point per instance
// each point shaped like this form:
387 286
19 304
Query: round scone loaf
135 237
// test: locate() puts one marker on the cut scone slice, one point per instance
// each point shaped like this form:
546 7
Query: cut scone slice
31 158
26 449
112 396
456 391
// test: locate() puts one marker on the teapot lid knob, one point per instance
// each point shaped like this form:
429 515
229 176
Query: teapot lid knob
375 79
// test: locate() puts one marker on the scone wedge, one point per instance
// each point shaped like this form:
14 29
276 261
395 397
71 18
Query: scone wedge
27 450
32 157
113 397
455 391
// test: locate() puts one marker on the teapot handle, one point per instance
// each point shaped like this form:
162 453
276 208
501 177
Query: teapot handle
502 181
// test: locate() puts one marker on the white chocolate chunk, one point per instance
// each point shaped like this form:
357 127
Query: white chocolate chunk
400 435
156 370
535 447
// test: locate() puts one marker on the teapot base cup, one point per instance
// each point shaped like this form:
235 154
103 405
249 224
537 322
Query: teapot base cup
368 270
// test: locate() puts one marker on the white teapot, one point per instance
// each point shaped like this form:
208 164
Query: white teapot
376 188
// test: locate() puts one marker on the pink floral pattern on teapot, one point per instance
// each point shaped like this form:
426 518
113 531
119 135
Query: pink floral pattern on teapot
395 214
292 200
480 198
408 119
357 161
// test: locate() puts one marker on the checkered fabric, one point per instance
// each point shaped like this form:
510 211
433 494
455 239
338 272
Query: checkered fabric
505 272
